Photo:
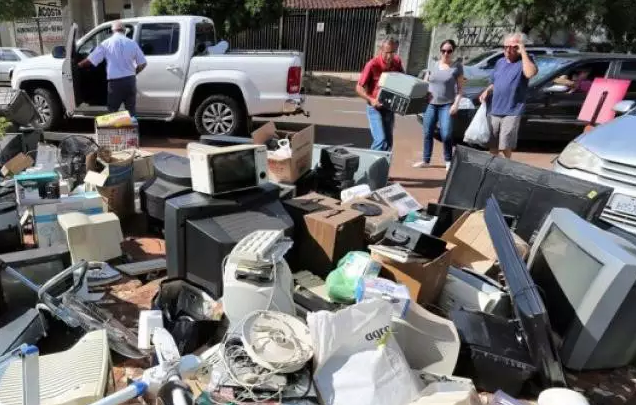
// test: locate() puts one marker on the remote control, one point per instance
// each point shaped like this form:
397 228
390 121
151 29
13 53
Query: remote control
254 247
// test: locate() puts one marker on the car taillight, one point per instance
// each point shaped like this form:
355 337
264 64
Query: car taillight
293 80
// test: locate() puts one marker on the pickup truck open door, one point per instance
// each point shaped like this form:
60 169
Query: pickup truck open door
70 74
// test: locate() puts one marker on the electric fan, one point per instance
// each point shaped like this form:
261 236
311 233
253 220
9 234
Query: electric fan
71 310
72 154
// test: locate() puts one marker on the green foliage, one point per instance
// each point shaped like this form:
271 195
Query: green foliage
15 9
229 16
4 125
617 18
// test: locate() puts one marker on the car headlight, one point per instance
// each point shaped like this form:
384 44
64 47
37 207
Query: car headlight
575 156
466 104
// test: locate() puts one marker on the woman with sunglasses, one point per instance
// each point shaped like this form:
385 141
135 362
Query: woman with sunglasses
445 80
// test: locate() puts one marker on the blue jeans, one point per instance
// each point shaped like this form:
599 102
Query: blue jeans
381 125
433 115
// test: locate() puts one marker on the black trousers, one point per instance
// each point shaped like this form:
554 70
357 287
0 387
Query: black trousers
122 90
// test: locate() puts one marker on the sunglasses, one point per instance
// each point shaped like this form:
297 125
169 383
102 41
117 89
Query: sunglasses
447 51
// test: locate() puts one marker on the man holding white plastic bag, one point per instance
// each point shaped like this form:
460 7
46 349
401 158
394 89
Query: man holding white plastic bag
356 358
509 86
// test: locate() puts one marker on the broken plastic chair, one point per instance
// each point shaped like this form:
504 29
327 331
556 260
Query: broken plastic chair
76 376
70 309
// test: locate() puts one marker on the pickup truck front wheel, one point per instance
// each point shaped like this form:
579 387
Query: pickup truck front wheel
50 108
220 115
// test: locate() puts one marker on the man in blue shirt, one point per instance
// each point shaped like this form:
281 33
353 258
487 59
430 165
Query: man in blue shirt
124 61
508 89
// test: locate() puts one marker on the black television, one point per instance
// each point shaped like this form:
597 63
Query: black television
509 354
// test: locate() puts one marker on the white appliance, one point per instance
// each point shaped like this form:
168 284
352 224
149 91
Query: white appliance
77 376
218 170
468 290
250 286
92 237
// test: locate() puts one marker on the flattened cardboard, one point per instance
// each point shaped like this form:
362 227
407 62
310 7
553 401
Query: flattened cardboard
474 247
287 170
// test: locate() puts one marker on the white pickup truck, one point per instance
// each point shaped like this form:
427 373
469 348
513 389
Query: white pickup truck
184 78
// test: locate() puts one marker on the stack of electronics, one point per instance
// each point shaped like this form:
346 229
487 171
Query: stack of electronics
231 199
171 179
10 231
336 171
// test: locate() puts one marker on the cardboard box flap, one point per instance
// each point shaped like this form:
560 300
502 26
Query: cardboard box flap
97 178
336 216
17 164
474 246
264 133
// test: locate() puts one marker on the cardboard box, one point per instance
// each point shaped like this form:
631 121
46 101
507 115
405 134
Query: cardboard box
17 164
143 168
473 246
287 170
425 280
47 230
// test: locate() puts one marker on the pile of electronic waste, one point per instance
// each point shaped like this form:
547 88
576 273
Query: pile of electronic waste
339 291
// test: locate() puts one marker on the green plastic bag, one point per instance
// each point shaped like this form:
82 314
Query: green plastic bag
342 282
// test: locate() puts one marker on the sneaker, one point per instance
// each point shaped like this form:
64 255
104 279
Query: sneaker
448 164
420 165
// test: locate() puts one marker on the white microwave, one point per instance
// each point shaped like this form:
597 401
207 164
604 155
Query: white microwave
218 170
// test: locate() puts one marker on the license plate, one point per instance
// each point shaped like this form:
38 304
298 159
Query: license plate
624 204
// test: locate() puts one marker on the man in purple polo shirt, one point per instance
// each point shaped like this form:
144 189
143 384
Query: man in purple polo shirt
508 89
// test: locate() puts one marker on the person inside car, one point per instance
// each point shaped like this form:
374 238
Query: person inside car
580 82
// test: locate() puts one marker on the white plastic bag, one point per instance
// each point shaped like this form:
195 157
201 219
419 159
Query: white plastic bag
478 132
356 358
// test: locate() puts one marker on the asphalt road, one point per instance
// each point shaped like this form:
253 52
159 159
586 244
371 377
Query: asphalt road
343 121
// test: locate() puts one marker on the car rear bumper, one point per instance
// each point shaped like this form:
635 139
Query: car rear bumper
622 220
293 106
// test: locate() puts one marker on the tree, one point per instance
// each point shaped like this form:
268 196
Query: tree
15 9
544 17
619 21
229 16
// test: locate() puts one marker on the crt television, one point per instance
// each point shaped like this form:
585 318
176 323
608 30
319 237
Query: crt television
219 170
588 278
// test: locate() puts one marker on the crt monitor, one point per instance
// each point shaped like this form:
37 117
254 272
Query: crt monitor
588 279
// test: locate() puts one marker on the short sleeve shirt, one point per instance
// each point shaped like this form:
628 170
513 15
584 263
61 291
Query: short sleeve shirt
443 83
510 87
373 70
122 56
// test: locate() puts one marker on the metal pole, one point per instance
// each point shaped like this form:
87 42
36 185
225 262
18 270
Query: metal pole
37 22
306 38
280 31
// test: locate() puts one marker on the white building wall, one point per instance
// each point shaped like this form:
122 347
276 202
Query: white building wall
411 8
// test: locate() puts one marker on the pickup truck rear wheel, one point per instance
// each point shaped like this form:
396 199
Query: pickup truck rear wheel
49 107
220 115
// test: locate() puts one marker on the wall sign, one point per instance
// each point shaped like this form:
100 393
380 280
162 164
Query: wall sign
47 10
320 27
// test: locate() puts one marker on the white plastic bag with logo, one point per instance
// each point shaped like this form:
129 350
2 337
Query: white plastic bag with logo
356 358
478 132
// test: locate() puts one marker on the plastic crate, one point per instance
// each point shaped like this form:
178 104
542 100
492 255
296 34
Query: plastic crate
17 107
117 138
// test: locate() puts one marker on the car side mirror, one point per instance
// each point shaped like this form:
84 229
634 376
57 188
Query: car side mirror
59 52
624 106
556 88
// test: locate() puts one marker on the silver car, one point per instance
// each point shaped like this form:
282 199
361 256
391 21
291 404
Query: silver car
9 57
607 155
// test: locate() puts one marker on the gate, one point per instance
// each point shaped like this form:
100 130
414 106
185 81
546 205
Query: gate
336 40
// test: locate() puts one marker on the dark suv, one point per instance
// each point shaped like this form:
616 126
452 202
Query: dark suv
551 112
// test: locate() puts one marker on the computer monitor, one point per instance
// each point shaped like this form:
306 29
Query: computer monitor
588 279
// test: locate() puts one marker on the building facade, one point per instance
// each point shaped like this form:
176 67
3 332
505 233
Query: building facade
53 19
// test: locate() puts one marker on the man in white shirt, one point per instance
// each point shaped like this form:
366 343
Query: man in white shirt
124 61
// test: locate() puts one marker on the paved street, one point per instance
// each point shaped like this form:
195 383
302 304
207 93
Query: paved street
343 121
